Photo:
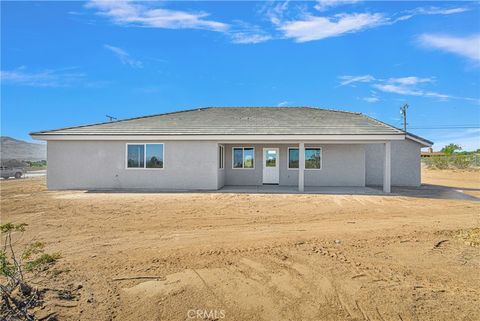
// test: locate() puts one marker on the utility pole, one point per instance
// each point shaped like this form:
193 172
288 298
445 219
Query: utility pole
110 118
403 111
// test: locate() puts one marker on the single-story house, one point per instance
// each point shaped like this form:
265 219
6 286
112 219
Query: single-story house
208 148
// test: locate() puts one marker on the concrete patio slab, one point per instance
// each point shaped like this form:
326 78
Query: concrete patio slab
276 189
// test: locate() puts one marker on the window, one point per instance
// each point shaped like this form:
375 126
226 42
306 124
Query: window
144 155
293 158
136 156
313 158
243 157
271 160
221 157
154 156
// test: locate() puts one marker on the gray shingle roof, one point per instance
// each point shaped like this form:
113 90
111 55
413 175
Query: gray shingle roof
239 121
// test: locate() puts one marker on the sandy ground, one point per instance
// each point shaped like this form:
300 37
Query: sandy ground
466 181
256 257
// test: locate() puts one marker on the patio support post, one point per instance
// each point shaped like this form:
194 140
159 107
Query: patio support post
301 166
387 168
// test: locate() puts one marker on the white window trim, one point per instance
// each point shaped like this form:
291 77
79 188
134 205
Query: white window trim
144 156
307 169
243 157
223 157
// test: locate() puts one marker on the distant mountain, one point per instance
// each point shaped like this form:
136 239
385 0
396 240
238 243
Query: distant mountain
11 148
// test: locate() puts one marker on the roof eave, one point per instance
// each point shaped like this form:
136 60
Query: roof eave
422 141
216 137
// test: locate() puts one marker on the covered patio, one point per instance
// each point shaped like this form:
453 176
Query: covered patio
387 168
266 166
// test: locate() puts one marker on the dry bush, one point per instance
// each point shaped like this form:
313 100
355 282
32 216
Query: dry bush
18 297
452 162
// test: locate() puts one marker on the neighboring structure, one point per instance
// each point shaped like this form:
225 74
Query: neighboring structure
430 153
207 148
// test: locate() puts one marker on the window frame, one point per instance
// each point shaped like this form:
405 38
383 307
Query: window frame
221 164
321 159
145 156
306 169
288 158
243 157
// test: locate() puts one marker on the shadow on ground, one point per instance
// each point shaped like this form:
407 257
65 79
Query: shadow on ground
436 191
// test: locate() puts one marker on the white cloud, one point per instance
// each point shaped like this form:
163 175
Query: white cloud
408 90
275 13
246 38
468 47
46 78
397 89
442 96
146 15
439 11
302 27
406 86
407 14
347 80
372 99
448 11
128 13
245 33
124 56
308 27
283 104
317 28
323 5
410 80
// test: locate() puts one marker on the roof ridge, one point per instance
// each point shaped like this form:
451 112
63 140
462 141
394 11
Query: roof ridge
299 106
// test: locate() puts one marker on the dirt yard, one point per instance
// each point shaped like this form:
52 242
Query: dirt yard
256 257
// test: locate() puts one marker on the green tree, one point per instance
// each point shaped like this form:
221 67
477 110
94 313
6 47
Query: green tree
451 149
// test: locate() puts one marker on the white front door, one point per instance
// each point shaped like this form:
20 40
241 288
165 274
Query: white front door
271 166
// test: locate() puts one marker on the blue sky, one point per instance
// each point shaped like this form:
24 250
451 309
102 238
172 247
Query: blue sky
69 63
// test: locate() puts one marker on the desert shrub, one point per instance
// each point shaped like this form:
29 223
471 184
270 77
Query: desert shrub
460 161
454 161
41 262
36 164
438 162
18 297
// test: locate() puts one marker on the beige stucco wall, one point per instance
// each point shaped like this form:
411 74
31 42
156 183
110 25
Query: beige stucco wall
101 165
342 165
194 165
406 169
